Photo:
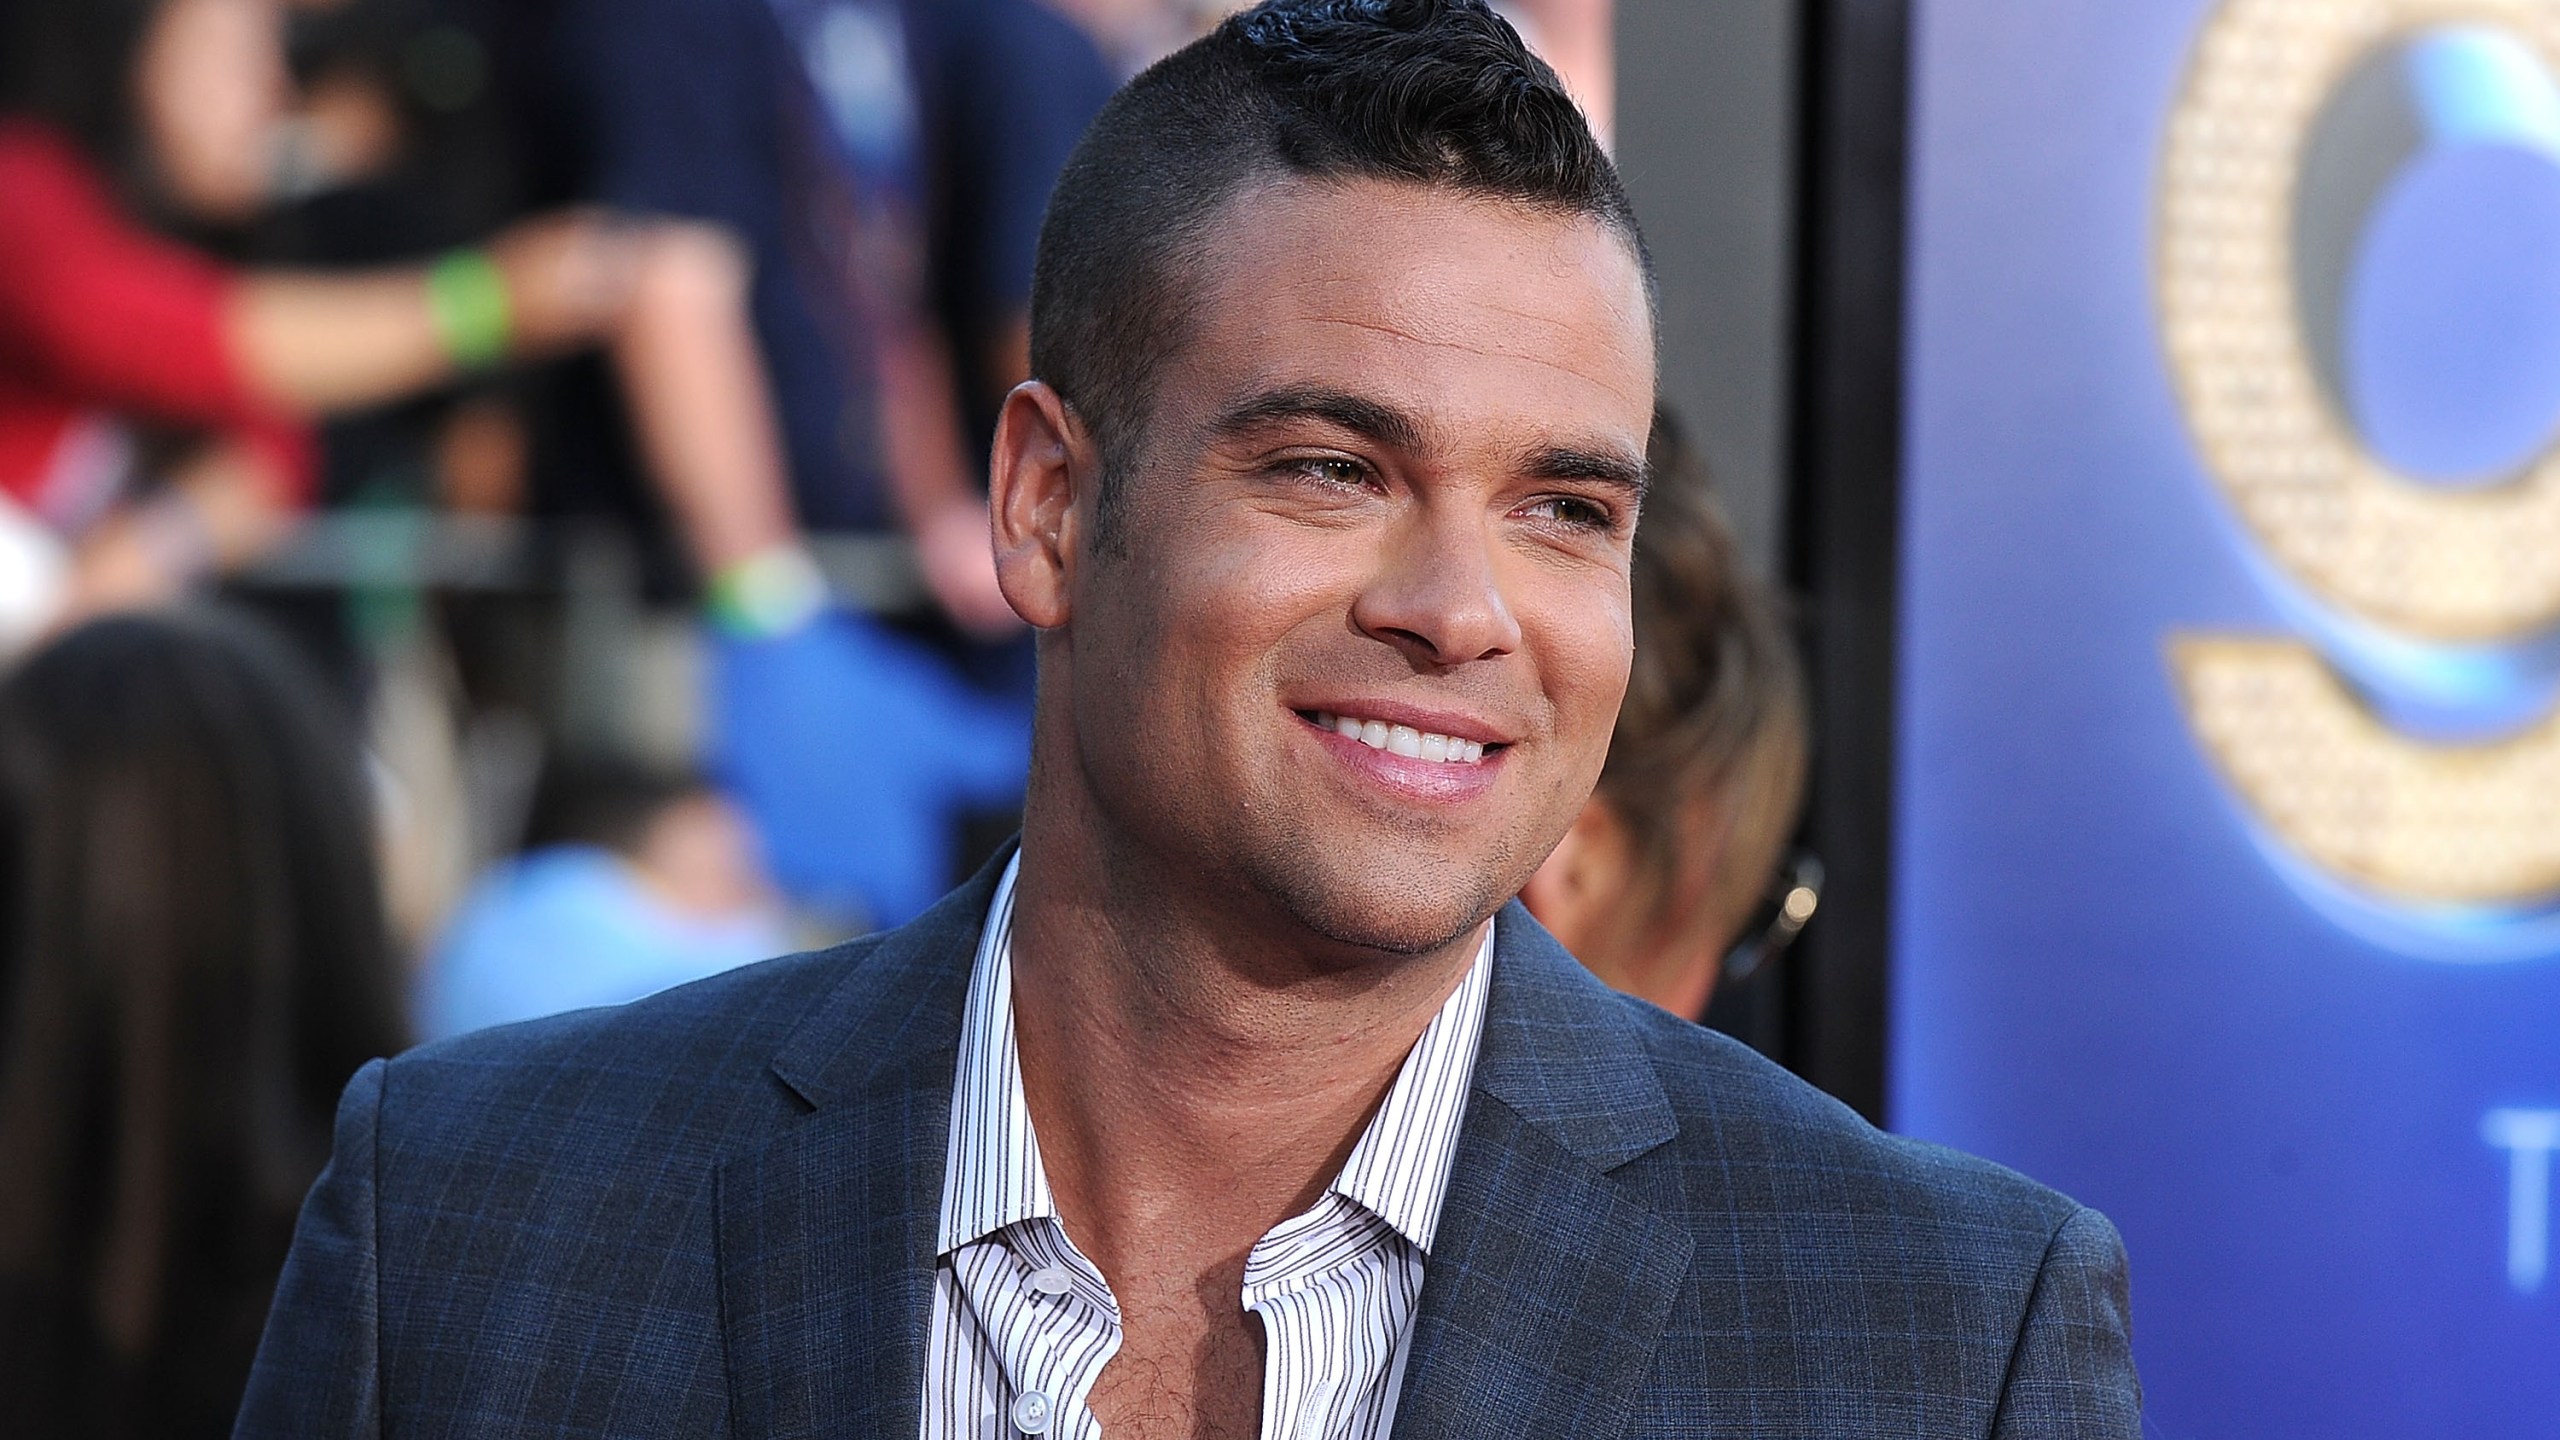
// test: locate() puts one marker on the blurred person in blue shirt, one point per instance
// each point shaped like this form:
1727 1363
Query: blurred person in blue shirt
1008 87
882 166
641 881
884 163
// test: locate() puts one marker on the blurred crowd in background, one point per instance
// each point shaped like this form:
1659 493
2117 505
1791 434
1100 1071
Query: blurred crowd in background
492 522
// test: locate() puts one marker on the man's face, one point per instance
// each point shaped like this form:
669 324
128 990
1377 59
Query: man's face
1387 493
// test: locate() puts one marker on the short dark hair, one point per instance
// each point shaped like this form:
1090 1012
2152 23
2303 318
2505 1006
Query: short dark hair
1432 92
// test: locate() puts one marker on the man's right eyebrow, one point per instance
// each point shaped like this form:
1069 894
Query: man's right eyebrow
1382 423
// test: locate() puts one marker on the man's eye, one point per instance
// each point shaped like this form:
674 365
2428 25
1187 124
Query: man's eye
1573 511
1331 471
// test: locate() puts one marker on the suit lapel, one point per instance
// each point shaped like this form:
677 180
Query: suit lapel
1548 1286
826 1233
1544 1296
826 1266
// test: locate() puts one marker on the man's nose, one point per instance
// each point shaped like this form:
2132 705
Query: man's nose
1438 593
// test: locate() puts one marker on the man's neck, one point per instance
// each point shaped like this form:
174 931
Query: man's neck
1195 1072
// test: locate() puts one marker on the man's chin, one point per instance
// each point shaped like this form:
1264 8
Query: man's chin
1386 912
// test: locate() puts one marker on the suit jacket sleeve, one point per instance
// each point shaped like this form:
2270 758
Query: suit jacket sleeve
2072 1372
318 1375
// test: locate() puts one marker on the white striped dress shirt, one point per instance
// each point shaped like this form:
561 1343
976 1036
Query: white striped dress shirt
1023 1324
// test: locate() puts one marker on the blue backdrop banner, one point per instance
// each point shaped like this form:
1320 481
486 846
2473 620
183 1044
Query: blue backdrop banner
2228 836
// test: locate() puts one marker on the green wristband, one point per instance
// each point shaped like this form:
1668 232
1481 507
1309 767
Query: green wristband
767 595
468 299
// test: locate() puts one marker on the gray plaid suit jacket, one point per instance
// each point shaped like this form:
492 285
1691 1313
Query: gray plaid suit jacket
711 1213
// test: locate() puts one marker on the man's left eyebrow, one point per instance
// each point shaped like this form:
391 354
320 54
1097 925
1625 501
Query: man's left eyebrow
1358 414
1613 470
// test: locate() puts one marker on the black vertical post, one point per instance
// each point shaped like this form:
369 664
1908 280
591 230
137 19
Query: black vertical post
1709 117
1845 442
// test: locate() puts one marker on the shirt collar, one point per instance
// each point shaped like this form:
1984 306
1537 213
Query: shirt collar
992 1176
1399 1171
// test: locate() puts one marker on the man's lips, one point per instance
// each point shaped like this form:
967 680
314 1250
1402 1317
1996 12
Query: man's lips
1466 726
1435 746
1437 764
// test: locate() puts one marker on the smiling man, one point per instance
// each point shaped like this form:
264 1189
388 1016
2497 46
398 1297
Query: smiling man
1239 1100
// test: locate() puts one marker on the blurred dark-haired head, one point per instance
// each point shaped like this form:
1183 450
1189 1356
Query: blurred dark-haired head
176 99
1436 93
70 63
192 963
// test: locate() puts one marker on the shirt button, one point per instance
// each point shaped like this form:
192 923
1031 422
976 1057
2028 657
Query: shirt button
1052 1280
1032 1413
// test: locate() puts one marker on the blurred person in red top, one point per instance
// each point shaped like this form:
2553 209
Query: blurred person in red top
151 399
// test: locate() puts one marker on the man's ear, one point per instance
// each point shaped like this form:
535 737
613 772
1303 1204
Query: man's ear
1039 484
1575 894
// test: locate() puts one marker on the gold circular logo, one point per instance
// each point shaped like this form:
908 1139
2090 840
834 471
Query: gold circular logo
2443 565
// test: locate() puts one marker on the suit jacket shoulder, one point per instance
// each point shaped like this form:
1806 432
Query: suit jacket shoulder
521 1229
678 1070
1754 1118
1714 1248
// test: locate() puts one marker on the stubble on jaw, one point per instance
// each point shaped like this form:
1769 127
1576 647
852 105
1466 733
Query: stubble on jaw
1286 869
1292 877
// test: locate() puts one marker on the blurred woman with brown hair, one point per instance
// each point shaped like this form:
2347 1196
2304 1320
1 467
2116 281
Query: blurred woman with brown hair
1706 773
192 963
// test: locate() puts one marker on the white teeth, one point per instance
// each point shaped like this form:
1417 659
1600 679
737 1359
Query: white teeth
1402 740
